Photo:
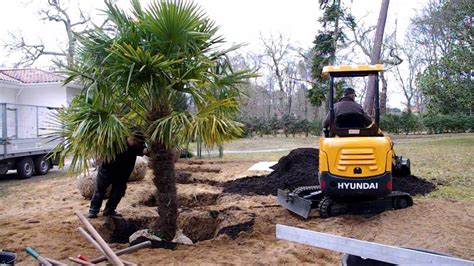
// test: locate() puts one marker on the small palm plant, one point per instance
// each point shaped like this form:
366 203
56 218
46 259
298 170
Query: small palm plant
159 70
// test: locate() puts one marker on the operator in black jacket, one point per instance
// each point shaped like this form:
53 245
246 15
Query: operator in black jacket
347 105
116 173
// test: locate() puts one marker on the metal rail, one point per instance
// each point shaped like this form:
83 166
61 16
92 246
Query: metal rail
380 252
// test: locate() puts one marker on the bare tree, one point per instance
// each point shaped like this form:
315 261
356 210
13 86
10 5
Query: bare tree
56 11
375 56
277 54
431 29
282 88
407 79
277 50
362 38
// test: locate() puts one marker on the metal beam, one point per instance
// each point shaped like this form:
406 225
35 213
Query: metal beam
386 253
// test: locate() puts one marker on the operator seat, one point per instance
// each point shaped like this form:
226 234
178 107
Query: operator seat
350 120
351 125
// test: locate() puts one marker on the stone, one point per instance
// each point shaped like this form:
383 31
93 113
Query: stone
139 171
86 184
180 238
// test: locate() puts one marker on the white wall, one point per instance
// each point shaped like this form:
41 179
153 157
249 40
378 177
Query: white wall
46 94
8 93
71 93
53 95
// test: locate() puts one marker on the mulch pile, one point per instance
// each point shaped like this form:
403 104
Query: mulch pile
300 168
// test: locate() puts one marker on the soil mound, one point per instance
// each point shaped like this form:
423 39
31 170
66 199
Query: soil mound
300 168
412 185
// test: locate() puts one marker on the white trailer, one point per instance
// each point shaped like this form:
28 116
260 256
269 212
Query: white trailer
24 142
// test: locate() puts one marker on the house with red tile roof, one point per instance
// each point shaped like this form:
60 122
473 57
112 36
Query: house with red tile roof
31 86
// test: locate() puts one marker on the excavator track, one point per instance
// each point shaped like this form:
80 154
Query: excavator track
301 200
329 207
305 190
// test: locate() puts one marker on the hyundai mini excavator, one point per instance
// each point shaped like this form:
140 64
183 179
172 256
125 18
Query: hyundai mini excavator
356 164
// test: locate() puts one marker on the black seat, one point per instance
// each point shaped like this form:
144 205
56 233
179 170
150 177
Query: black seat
351 120
352 125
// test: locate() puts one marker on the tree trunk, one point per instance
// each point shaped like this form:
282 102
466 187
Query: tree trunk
199 146
221 151
162 163
336 33
383 94
375 57
162 160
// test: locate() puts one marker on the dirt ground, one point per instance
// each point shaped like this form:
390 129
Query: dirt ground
39 212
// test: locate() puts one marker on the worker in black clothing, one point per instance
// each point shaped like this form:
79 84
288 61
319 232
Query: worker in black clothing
116 173
347 105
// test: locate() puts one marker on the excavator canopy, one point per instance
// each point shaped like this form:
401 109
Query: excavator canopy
351 71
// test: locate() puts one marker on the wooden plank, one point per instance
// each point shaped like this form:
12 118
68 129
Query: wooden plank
365 249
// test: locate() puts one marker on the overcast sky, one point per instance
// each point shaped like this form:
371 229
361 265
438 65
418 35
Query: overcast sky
241 21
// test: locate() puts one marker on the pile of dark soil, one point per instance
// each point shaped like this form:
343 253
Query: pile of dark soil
300 168
412 185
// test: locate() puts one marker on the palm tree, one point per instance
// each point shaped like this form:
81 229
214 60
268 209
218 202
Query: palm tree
160 71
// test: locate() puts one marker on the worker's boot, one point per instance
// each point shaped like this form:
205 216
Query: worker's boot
91 215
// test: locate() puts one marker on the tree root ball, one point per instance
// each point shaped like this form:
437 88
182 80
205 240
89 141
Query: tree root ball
139 171
86 184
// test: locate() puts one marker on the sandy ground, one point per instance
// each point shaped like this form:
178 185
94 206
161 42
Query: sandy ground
39 212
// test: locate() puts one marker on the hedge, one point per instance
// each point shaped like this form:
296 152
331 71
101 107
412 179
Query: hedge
432 124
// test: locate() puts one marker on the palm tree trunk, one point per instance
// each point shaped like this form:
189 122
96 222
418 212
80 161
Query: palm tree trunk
162 160
162 163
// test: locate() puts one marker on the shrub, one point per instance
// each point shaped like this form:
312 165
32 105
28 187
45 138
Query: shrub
316 127
456 122
410 123
391 123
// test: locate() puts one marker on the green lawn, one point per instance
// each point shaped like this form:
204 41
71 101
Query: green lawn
446 159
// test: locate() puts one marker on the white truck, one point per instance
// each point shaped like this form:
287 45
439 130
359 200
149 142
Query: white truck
24 143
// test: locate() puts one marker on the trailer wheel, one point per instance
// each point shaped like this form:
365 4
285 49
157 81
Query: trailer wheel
42 165
3 171
25 168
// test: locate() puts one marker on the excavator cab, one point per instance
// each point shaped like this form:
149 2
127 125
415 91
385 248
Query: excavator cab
356 161
351 124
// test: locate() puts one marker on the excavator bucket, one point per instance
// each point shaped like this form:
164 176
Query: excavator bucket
294 203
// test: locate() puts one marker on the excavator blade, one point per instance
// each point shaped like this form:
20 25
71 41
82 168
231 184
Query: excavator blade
294 203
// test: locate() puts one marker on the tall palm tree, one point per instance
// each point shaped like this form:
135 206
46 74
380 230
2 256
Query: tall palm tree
139 75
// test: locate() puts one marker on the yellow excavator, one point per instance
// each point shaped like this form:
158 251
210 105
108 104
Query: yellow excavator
356 164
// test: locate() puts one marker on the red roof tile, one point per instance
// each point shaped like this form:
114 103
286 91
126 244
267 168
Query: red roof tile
8 78
29 75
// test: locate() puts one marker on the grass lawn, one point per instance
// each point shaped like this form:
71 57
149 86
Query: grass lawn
446 159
